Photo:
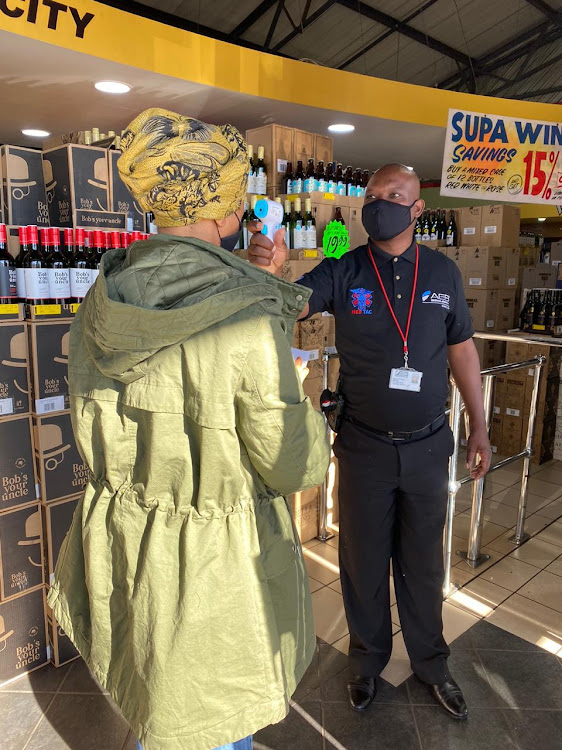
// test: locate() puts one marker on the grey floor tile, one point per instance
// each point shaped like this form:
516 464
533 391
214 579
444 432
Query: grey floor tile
332 662
310 683
19 714
488 637
80 722
485 728
524 680
384 727
466 669
295 731
334 690
45 680
536 729
80 680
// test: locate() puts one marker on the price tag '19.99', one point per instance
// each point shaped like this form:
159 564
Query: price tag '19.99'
335 241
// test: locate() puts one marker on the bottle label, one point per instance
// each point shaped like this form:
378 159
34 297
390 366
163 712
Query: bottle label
311 240
332 187
310 185
352 191
288 238
359 192
261 182
36 283
20 282
426 236
8 286
418 237
290 187
449 240
322 186
297 186
59 283
6 406
298 238
80 281
251 182
94 273
341 188
434 235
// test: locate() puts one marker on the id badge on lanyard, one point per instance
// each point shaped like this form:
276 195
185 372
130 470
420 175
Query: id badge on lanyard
403 378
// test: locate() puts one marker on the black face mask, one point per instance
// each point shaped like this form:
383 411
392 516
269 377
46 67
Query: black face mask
384 220
230 242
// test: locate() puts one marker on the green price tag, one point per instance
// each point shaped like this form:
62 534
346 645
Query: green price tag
335 241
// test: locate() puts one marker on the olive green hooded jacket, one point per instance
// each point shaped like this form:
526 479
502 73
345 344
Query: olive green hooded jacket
181 580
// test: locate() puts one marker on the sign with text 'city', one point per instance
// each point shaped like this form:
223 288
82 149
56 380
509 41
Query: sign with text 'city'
488 157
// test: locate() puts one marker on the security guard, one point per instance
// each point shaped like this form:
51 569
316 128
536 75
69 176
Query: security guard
400 315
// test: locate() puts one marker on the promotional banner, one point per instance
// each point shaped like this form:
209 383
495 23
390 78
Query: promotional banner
488 157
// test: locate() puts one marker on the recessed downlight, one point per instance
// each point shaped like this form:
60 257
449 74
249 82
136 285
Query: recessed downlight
542 218
113 87
35 133
341 127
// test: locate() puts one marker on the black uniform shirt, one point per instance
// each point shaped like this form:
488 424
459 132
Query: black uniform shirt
368 341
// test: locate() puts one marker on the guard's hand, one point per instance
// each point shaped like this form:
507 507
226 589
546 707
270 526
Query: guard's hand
478 445
302 369
263 252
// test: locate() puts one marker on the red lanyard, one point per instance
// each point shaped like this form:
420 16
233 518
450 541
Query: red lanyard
402 334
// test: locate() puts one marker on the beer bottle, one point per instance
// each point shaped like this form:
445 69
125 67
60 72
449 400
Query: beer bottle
340 181
310 241
310 181
321 184
298 182
338 216
330 178
261 173
288 179
8 280
287 224
36 278
357 179
58 271
350 187
297 233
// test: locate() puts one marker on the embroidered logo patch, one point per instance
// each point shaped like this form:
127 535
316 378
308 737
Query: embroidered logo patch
433 298
361 300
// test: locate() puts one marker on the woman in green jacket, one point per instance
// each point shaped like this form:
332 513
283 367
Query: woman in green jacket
181 581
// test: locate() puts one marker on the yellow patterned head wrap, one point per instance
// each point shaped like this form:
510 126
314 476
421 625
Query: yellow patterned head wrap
182 169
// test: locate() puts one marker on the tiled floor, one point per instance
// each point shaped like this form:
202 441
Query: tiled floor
504 624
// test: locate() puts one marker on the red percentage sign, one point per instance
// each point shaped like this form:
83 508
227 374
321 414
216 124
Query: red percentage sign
553 159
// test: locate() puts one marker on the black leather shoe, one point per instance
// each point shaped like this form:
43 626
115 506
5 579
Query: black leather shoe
450 697
362 692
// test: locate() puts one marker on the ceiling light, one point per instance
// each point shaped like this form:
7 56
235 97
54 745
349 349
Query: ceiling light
341 127
34 133
542 219
113 87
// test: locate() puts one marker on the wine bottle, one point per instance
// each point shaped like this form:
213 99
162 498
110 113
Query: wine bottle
80 268
287 224
434 227
8 279
426 231
251 170
452 235
261 173
36 278
20 271
58 271
418 232
96 253
297 233
310 241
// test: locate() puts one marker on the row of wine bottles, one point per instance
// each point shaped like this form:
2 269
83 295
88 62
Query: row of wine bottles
542 312
433 225
44 272
325 179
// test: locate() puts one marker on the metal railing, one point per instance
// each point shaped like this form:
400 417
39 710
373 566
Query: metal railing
473 555
323 531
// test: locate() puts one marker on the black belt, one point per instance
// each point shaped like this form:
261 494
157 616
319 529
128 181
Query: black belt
401 436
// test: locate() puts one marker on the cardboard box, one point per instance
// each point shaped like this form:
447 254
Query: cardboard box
312 333
490 353
23 640
506 309
542 276
57 518
329 329
60 649
14 370
485 268
278 142
483 306
61 470
470 226
333 373
512 258
21 551
120 199
293 270
459 255
556 252
313 389
17 467
76 177
23 187
323 148
304 509
500 225
49 343
514 393
496 431
303 145
357 234
518 351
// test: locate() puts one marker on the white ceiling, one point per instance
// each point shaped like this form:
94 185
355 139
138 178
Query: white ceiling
47 87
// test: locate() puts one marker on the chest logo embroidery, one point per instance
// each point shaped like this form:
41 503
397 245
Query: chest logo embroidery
433 298
361 300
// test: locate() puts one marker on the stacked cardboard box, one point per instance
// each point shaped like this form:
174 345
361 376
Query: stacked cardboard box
513 399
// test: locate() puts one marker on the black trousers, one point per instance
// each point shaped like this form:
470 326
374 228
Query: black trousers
393 501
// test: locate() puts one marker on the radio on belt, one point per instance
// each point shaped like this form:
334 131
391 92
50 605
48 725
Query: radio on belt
270 213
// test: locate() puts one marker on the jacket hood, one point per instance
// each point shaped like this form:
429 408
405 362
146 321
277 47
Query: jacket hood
160 292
